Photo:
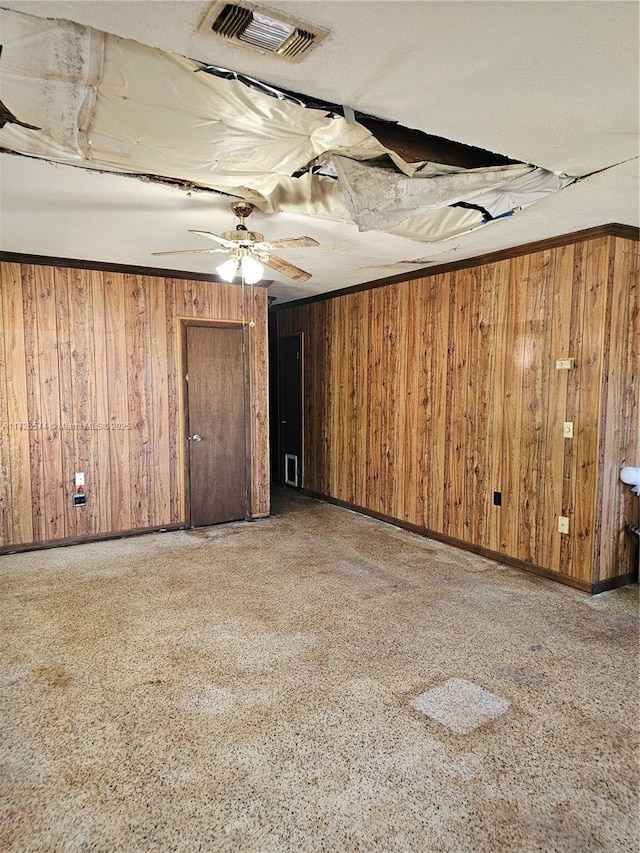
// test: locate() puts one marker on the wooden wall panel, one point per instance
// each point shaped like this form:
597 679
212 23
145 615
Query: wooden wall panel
590 355
259 395
175 438
83 397
17 465
89 382
34 411
496 293
139 413
100 461
434 450
423 398
6 507
558 325
619 440
115 386
65 384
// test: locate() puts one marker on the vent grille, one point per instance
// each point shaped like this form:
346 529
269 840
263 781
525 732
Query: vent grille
263 30
232 21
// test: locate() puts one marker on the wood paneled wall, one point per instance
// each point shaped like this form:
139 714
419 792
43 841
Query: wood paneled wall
424 398
89 382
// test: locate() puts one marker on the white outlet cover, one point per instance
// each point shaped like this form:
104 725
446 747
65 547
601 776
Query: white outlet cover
79 478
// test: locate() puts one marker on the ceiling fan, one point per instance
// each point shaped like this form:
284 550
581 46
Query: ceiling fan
248 250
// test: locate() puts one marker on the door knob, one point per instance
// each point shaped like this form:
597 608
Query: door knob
195 437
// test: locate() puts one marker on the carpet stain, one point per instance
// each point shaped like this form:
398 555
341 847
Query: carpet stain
53 676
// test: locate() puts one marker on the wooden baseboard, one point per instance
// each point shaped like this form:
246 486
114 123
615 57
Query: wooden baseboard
98 537
614 583
567 580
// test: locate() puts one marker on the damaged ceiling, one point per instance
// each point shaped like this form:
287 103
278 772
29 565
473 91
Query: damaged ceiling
123 131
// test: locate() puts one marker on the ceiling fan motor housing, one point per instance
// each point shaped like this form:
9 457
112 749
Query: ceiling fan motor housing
243 236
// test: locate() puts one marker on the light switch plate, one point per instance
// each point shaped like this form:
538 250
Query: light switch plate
563 524
567 430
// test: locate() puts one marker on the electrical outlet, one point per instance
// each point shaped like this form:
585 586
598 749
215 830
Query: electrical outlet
79 479
565 363
563 524
567 430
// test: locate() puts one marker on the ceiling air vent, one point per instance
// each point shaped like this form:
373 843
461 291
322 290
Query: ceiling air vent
262 29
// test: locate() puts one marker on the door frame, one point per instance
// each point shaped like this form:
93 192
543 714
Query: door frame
183 409
299 335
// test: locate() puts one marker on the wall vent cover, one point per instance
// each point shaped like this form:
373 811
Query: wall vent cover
262 29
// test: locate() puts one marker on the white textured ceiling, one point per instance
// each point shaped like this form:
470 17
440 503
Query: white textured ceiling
550 83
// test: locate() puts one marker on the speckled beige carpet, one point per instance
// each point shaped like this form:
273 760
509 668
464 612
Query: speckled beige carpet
249 688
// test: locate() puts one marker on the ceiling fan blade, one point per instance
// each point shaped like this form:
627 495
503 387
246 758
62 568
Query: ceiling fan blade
284 267
190 252
293 243
215 237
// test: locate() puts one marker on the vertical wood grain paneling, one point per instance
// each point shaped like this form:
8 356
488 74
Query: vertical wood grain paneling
158 386
619 440
65 381
559 321
140 416
47 353
498 276
259 398
410 361
360 326
6 508
83 400
339 428
533 374
32 373
89 382
589 357
376 399
173 402
117 384
463 398
456 418
513 355
478 381
327 467
472 507
101 462
389 471
18 466
435 445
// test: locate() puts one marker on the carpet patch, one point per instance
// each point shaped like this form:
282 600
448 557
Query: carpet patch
460 705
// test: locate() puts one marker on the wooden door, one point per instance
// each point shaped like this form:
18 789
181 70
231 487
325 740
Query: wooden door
290 410
217 448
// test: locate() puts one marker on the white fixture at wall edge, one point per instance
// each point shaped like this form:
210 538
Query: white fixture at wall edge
631 477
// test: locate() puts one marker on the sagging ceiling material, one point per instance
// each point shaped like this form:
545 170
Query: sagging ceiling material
87 98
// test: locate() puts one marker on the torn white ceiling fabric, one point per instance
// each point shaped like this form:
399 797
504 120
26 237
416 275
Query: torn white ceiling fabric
519 191
108 103
379 198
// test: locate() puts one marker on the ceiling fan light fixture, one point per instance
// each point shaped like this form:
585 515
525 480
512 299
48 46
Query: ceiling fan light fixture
228 269
252 270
